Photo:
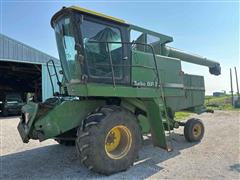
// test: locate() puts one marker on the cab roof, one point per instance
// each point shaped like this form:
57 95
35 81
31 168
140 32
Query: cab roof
89 12
164 38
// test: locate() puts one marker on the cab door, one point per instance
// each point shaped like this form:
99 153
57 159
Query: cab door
106 54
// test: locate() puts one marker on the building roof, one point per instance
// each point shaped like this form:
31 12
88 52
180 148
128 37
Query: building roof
13 50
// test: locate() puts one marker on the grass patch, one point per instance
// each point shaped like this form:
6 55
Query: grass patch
211 102
221 99
219 103
181 115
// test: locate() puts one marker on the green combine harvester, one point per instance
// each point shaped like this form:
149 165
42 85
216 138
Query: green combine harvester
120 81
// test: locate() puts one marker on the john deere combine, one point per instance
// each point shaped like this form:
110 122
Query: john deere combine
120 81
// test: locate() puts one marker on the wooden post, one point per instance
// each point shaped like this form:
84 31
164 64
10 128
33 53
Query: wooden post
231 85
236 81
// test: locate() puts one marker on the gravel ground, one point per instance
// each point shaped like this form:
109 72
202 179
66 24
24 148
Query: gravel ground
216 157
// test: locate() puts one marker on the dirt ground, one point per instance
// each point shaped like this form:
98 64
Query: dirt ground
216 157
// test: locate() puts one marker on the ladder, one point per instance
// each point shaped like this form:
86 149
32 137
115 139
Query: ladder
51 62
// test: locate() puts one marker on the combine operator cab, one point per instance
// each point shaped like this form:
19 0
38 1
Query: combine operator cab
89 49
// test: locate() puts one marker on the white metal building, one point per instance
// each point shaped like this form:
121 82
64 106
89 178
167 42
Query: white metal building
23 69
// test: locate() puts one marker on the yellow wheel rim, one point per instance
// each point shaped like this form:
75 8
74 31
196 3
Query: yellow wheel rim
113 139
197 130
118 142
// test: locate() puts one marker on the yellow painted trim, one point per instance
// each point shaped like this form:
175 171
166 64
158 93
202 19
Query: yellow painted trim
97 14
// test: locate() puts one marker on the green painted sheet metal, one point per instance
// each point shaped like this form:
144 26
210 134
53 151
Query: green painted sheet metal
169 70
178 92
191 58
64 117
144 123
134 102
154 111
194 93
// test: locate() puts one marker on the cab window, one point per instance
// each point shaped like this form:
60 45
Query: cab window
144 38
102 42
137 37
154 41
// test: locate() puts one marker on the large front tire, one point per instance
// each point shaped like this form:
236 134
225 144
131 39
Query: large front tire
65 142
109 140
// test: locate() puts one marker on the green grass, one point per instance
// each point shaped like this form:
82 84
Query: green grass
219 103
181 115
211 102
221 99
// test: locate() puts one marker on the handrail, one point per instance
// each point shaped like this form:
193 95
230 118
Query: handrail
156 68
129 43
55 74
111 63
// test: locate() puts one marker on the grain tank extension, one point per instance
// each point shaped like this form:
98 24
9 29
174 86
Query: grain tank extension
120 81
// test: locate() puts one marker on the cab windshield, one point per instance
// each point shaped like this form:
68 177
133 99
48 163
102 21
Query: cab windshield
100 46
66 43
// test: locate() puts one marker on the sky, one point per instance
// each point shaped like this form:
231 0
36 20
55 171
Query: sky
208 28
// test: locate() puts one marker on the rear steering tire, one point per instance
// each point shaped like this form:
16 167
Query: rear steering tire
194 130
109 140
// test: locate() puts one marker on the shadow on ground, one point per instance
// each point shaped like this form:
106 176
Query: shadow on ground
9 117
57 161
235 167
